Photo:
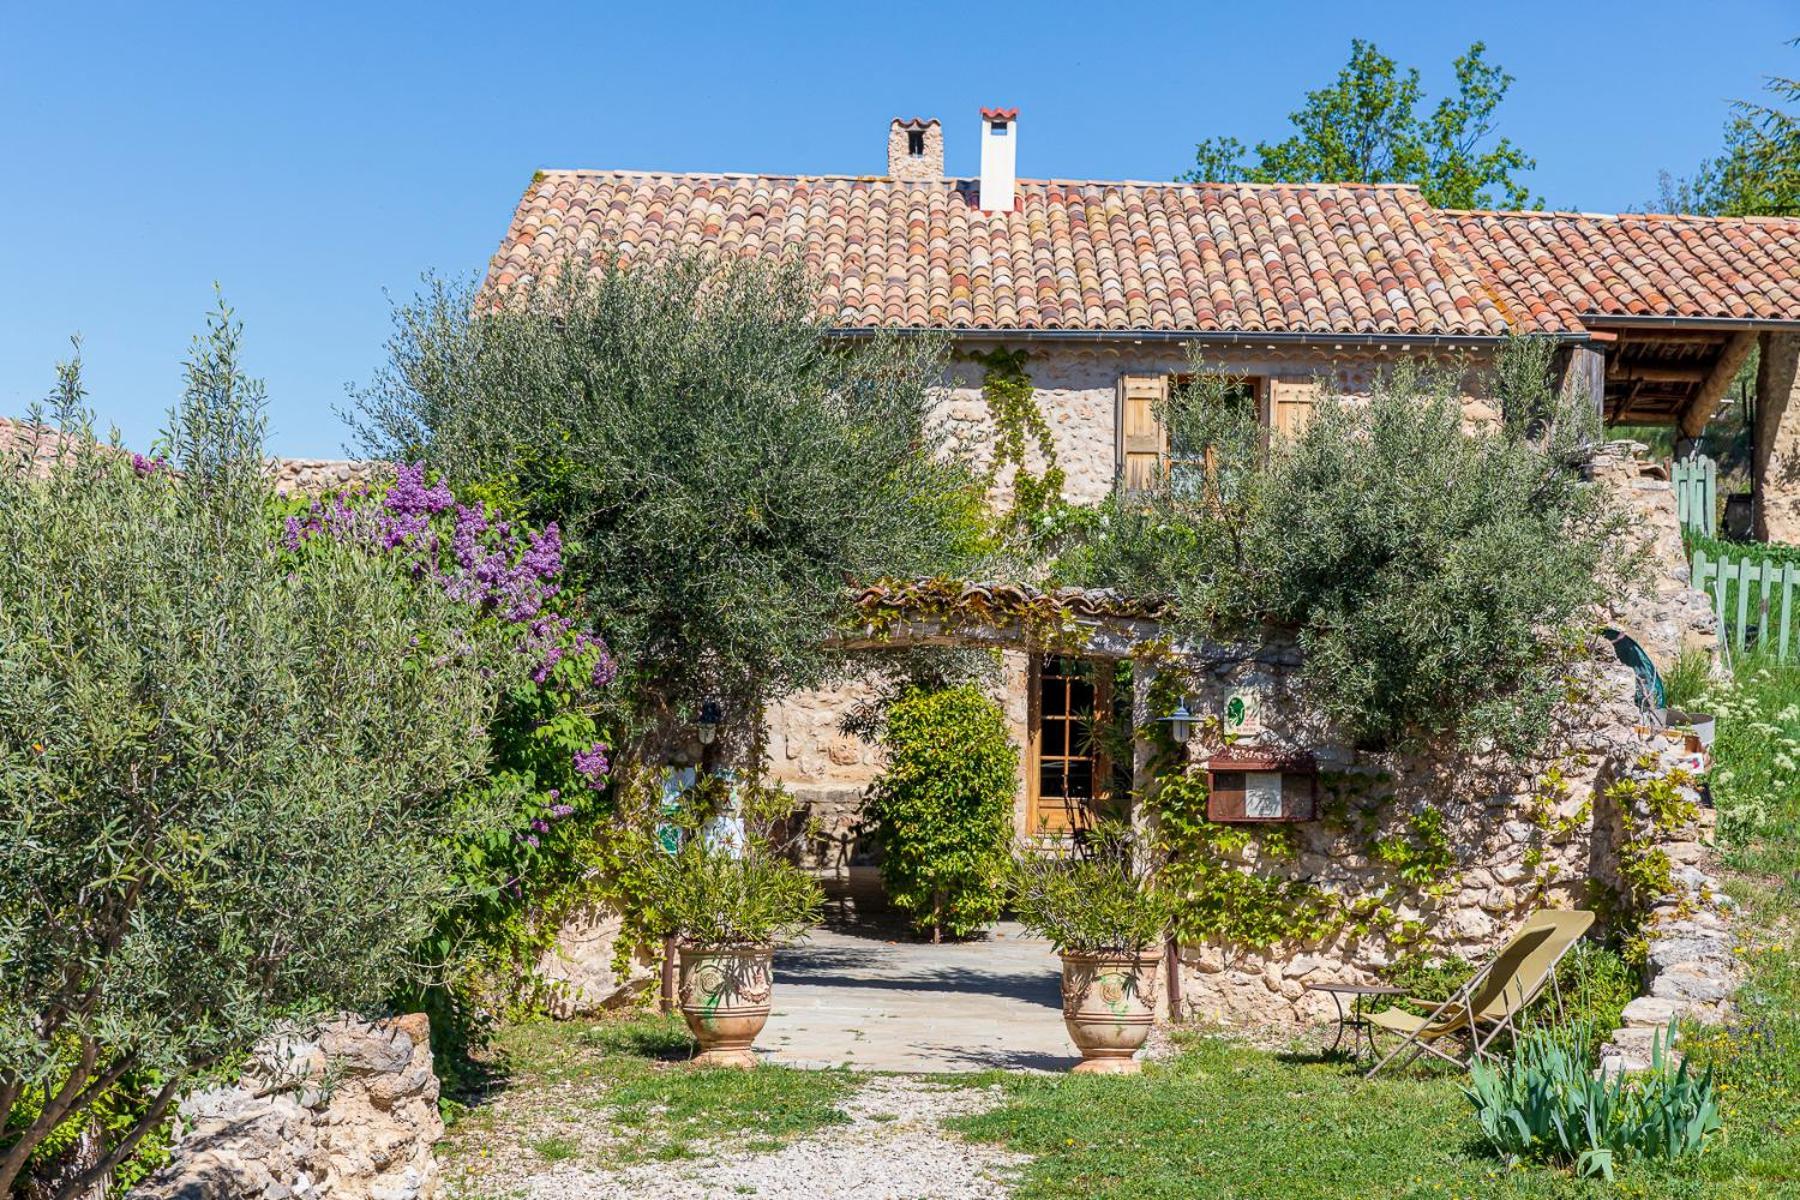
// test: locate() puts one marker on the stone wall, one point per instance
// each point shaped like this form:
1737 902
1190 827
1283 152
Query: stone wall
1662 612
346 1113
1777 463
315 476
1077 391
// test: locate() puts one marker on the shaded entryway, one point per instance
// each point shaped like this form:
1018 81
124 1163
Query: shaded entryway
850 996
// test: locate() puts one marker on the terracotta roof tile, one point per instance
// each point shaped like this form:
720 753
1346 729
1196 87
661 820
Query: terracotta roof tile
1559 268
1318 258
1137 257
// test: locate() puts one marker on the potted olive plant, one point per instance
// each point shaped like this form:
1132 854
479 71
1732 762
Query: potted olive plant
728 901
1100 907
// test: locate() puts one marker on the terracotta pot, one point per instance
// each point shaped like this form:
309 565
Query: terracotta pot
725 1001
1109 1005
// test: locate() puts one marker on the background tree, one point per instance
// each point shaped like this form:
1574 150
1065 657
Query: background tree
228 781
1366 128
1757 174
721 467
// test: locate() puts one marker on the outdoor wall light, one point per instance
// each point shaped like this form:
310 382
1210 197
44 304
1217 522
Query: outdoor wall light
710 716
1181 723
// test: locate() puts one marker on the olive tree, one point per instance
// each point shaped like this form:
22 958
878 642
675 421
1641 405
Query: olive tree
721 465
1438 576
228 777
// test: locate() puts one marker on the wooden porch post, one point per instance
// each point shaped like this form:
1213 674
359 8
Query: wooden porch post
1586 372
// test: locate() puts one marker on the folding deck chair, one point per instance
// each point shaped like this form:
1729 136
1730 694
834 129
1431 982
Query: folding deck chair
1484 1007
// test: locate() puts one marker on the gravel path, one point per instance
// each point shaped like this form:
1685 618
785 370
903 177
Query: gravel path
892 1149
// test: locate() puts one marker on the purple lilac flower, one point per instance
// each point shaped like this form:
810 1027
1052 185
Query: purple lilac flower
147 466
562 810
539 825
592 763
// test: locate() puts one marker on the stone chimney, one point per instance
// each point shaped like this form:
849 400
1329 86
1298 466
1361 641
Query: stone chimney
915 150
999 158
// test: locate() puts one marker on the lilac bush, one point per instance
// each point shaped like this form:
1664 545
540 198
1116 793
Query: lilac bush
550 754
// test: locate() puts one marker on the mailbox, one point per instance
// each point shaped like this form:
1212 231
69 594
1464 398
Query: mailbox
1249 785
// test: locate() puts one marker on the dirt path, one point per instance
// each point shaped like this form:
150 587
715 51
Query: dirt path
892 1148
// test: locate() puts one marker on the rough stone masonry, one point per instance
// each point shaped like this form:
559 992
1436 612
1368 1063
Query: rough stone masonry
348 1112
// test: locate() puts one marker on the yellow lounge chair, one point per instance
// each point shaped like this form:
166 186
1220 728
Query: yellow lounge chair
1485 1006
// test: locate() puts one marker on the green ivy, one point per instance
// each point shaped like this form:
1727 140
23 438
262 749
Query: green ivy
1012 407
1421 855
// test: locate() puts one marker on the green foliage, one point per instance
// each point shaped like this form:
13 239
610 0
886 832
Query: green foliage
1422 855
1757 173
1545 1103
719 464
1366 128
942 808
1105 897
729 884
1688 679
1439 578
1755 779
1018 424
228 782
712 898
1222 880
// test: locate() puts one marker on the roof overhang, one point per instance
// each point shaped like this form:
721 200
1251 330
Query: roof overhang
1215 337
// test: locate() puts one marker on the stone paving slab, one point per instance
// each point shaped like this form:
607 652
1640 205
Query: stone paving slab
850 997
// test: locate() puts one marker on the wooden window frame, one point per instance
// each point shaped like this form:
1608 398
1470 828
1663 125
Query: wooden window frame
1258 386
1073 819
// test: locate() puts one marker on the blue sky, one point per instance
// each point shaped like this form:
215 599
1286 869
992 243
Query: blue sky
315 159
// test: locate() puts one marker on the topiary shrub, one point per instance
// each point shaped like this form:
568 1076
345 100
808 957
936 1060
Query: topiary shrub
942 810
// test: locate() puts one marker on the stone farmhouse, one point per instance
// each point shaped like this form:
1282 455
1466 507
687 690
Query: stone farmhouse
1107 284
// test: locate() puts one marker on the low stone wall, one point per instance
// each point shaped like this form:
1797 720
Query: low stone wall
582 969
348 1112
1516 838
316 476
1690 953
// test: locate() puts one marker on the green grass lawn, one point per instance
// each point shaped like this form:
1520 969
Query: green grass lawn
619 1091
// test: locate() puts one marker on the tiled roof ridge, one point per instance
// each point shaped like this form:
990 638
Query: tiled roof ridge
1575 214
1124 256
1053 181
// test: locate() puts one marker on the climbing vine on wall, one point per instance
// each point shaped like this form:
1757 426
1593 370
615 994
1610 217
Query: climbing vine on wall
1018 424
1232 882
1651 802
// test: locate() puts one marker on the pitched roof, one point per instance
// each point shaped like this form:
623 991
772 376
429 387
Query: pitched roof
1552 269
1315 258
1167 257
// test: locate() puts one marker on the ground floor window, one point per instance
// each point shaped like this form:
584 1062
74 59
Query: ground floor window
1073 763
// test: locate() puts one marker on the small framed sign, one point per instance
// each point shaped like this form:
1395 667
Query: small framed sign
1248 785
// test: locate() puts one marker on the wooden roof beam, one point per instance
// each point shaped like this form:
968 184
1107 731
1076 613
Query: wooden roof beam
1724 370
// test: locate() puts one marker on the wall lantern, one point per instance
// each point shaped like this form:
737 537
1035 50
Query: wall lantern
1254 785
711 714
1181 723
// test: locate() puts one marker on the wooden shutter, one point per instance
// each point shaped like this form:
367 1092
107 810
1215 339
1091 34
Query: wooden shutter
1291 404
1143 441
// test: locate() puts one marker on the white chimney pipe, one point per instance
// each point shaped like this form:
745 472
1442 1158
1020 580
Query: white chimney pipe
999 159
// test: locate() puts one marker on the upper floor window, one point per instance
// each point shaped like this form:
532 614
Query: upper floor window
1155 452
